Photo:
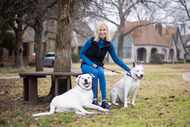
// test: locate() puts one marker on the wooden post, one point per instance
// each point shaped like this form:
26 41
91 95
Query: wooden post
30 89
62 84
33 90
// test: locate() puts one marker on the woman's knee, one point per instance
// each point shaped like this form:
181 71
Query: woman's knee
89 69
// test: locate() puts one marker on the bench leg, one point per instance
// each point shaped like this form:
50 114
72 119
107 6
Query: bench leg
33 90
30 89
62 84
26 88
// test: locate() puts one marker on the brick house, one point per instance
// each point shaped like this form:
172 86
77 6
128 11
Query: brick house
143 42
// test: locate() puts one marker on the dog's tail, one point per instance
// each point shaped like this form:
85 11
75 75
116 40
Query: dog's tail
52 110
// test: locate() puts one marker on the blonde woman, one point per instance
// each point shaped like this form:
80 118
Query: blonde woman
92 55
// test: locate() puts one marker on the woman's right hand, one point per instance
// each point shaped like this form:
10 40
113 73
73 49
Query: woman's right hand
94 65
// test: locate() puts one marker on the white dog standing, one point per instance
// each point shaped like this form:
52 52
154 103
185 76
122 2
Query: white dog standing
127 87
75 99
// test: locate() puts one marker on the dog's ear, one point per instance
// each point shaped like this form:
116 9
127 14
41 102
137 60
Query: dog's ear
133 64
78 77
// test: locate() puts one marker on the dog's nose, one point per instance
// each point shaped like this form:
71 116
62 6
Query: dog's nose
86 81
141 76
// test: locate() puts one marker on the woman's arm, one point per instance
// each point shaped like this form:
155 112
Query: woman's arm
82 52
117 60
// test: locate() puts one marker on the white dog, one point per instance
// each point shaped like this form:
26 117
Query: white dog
127 87
75 99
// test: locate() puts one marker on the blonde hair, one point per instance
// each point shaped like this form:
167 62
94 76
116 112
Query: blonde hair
100 24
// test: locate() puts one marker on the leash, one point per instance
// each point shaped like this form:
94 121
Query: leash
118 72
112 70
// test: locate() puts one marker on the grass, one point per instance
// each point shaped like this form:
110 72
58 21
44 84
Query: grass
163 101
12 71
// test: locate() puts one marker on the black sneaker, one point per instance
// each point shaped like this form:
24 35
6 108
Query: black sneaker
95 102
105 105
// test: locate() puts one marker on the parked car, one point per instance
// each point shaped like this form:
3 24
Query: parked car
49 59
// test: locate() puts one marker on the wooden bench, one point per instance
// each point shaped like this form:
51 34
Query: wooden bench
62 82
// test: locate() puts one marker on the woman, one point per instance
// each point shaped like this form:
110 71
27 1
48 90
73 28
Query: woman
92 55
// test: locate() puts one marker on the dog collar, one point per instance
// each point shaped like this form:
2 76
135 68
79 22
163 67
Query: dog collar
131 76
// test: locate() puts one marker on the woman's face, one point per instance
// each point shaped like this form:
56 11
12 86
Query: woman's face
102 31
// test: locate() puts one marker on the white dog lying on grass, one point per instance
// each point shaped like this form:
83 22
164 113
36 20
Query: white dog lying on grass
75 99
127 87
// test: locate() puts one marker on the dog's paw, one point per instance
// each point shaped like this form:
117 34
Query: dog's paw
133 104
106 110
80 113
115 103
125 105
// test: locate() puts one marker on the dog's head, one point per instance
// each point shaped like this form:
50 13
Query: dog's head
85 81
137 71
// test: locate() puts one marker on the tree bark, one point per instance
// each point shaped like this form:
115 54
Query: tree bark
39 46
63 39
121 38
63 42
120 45
19 47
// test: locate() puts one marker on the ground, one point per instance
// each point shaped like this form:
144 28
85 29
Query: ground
163 101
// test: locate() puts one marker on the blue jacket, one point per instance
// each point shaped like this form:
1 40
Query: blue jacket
94 53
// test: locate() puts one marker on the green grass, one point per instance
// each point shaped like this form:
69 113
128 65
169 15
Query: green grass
163 101
154 112
9 71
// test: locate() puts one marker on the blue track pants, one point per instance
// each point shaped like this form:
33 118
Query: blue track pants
98 76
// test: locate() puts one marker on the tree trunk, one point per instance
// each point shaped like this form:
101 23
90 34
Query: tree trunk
121 37
63 40
19 47
176 39
39 46
120 45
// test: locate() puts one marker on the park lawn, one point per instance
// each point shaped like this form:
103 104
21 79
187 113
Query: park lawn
163 101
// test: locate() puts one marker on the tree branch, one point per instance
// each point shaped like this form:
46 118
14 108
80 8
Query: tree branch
137 26
106 18
184 4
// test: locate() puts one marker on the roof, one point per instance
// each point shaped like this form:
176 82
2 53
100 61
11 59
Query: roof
149 33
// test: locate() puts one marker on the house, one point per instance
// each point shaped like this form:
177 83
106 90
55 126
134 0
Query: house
144 42
182 42
80 32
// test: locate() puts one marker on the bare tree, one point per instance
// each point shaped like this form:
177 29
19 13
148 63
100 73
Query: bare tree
63 42
117 12
69 11
23 13
179 10
35 18
13 12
